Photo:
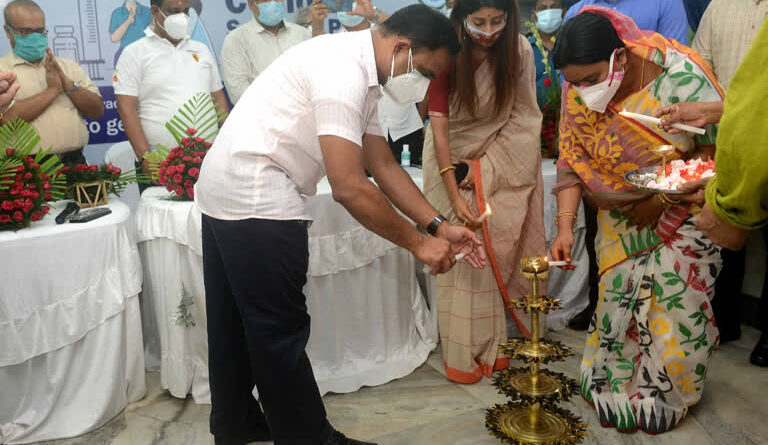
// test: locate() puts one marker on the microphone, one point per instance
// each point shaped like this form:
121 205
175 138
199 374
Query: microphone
72 209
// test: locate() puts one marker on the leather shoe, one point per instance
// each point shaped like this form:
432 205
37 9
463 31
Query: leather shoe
759 356
339 439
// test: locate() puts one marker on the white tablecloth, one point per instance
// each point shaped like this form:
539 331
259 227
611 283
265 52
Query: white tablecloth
70 329
571 287
370 322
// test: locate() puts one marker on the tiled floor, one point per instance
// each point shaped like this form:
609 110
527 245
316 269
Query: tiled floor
424 408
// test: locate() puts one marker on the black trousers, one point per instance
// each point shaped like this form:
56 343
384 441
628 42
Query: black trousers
726 304
258 328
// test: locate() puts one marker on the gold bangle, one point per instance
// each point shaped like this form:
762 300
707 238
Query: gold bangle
447 169
566 213
666 201
8 108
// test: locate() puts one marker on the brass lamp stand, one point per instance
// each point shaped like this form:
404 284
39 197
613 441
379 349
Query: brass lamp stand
532 416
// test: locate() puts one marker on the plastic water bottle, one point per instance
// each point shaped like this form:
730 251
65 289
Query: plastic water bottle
405 156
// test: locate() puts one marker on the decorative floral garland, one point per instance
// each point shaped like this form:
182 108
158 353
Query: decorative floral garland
551 109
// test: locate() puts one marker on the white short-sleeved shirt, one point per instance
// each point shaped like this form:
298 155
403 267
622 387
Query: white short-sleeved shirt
250 49
163 77
267 155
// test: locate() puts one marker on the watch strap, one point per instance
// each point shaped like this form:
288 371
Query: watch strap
432 227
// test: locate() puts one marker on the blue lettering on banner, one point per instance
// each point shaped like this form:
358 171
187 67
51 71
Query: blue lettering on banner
236 9
232 24
333 26
109 129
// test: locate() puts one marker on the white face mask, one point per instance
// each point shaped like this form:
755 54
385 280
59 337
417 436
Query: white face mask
176 25
597 97
408 88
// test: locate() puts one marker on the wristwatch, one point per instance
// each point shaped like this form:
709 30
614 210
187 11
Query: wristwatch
432 227
75 87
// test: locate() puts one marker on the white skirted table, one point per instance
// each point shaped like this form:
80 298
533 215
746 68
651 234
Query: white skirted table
370 322
70 332
571 287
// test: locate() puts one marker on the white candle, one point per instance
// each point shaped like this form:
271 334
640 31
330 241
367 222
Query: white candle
656 121
485 214
561 263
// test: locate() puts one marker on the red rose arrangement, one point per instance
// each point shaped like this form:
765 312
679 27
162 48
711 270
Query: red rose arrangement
24 191
81 173
180 170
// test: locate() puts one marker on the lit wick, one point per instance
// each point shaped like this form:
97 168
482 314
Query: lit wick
485 214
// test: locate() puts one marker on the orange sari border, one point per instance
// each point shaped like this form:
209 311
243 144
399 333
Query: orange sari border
475 376
478 178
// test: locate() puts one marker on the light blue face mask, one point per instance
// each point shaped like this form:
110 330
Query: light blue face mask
349 20
271 13
549 20
30 47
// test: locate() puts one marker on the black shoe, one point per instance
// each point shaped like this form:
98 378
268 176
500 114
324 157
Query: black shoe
729 335
339 439
759 356
581 321
254 436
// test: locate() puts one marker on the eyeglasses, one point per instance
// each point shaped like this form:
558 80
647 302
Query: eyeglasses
27 31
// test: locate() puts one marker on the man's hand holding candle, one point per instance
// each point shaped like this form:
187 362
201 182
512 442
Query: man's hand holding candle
695 114
440 252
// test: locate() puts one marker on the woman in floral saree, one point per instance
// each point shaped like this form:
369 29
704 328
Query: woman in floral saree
653 334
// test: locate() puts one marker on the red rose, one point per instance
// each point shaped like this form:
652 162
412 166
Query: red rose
46 186
10 151
161 171
93 168
179 191
187 158
207 144
169 187
180 168
18 178
170 170
178 179
191 131
35 216
188 183
7 205
18 216
197 160
26 194
191 192
27 176
65 170
17 203
194 172
47 196
199 140
14 191
46 209
4 219
547 82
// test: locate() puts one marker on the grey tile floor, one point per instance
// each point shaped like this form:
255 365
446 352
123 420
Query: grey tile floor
425 408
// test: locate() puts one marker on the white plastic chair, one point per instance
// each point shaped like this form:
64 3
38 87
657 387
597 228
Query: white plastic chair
121 155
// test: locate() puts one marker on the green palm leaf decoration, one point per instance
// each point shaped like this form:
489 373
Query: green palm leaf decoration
199 113
21 136
7 172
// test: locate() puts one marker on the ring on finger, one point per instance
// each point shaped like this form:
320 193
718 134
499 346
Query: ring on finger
452 260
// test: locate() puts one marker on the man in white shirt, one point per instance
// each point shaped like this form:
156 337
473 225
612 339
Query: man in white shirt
311 113
159 73
252 47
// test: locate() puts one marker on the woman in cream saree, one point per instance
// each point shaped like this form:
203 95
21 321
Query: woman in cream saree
499 141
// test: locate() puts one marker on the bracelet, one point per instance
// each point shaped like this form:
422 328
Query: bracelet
2 113
566 213
666 201
447 169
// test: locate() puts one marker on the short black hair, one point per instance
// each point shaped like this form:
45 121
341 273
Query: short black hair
424 26
197 5
19 4
585 39
158 3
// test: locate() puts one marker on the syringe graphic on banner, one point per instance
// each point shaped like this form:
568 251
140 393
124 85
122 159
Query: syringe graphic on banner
90 39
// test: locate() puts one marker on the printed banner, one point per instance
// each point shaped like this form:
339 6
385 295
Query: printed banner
95 32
